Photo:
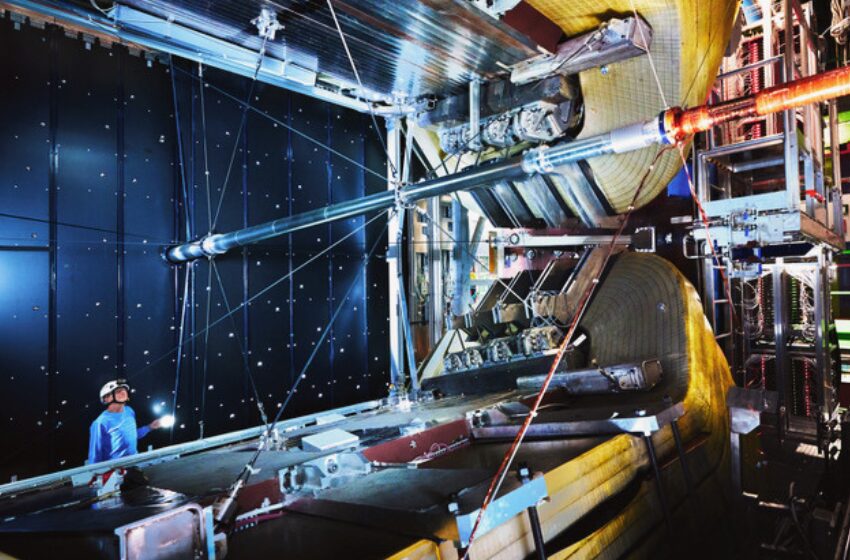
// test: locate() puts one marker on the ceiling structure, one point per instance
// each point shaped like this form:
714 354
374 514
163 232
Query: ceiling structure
405 49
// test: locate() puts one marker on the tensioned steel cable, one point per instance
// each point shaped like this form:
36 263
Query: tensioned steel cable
727 285
146 238
711 34
302 373
206 157
244 119
264 290
246 472
136 374
370 44
180 335
181 161
210 265
465 247
501 472
649 58
245 362
209 261
363 90
432 172
288 127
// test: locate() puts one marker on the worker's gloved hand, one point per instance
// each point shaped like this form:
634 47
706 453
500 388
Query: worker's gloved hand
155 424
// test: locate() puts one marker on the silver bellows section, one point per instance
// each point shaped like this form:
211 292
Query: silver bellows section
619 141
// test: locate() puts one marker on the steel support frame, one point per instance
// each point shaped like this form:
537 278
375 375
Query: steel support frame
436 308
789 117
141 29
525 239
779 213
402 359
835 155
824 391
788 200
397 380
780 336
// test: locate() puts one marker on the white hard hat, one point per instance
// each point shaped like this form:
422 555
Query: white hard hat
112 386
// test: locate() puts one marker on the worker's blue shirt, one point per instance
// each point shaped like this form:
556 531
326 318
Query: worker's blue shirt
114 434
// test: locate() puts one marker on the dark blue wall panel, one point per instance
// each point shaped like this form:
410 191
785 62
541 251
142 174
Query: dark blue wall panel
24 430
116 194
87 190
24 135
148 203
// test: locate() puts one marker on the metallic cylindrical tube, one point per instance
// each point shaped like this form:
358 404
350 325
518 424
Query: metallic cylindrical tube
545 159
680 123
813 89
219 243
618 141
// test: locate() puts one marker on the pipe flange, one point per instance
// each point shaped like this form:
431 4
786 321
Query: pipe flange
208 244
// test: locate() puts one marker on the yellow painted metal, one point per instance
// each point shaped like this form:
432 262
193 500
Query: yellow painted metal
579 485
420 550
688 43
706 415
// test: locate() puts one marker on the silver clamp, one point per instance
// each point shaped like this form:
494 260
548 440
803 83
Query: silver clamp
267 24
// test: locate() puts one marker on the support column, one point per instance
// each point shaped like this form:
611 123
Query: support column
780 336
791 149
462 261
436 309
393 261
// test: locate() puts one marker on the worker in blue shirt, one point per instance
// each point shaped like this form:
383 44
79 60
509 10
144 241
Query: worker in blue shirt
114 433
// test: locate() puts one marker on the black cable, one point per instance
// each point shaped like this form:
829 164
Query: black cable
81 226
805 539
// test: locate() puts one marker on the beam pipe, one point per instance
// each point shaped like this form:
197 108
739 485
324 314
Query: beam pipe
670 126
217 244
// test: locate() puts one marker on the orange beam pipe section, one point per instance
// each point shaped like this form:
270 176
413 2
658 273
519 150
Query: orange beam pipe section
813 89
